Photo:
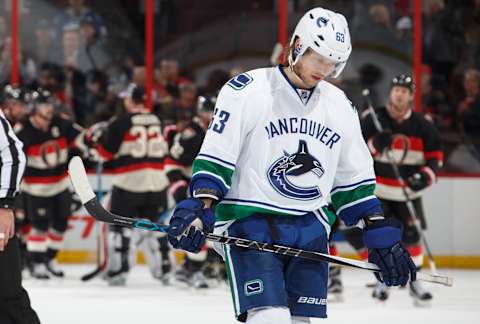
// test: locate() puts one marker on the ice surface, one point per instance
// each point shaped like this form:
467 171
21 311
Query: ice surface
145 301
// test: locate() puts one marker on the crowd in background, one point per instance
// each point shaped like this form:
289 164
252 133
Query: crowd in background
79 55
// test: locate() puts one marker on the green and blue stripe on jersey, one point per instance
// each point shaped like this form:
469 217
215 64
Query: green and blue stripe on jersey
211 172
355 201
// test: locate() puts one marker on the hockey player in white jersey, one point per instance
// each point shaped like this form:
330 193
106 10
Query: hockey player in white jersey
283 139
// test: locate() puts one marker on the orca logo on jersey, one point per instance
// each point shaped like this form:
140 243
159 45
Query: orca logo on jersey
295 165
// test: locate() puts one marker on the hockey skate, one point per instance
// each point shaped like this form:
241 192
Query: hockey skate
166 275
117 278
421 297
182 276
380 292
40 271
335 286
198 280
52 267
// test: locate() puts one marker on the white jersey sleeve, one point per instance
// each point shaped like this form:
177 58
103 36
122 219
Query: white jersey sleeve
214 165
354 183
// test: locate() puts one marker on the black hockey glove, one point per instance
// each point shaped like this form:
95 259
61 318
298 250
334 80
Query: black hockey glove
189 223
383 140
418 181
382 239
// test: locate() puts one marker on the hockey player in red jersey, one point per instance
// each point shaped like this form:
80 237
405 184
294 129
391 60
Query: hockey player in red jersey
135 146
416 148
48 139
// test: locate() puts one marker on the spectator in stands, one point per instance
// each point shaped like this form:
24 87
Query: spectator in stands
215 80
185 105
44 48
169 78
75 82
71 45
434 99
75 12
380 16
96 94
443 38
469 107
3 31
93 55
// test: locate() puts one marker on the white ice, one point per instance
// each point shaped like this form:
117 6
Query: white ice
145 301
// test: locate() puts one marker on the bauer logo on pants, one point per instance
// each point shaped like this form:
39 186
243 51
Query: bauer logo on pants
312 300
253 287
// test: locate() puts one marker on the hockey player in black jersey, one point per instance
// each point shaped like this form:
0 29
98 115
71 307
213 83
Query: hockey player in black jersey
185 138
415 145
48 139
134 144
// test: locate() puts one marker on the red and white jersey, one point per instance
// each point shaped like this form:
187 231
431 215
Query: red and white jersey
135 145
416 146
47 155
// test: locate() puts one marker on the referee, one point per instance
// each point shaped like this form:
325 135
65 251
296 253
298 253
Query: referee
14 302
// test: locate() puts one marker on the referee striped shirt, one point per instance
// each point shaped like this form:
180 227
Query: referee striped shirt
12 163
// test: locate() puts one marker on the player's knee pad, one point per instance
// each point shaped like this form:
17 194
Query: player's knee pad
410 235
300 320
269 315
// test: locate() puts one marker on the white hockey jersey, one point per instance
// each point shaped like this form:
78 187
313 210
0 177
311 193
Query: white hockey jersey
273 148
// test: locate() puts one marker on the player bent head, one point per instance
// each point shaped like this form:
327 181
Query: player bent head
319 47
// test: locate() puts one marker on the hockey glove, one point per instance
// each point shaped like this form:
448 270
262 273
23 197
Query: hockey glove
382 239
383 140
418 181
189 223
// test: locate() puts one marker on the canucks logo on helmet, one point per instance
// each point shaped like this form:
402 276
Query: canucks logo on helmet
284 171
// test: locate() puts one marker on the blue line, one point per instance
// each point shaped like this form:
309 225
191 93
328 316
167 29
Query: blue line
351 185
265 204
215 158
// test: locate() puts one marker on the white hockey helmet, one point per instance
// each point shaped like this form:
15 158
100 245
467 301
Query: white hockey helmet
325 32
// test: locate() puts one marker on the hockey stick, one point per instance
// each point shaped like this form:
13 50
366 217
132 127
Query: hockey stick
81 185
101 264
409 203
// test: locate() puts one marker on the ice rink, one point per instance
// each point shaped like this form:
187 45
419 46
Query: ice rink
145 301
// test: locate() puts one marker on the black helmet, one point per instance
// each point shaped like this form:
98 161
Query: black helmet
206 104
39 96
404 80
13 93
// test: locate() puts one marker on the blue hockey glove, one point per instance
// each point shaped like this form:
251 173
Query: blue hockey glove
382 239
188 224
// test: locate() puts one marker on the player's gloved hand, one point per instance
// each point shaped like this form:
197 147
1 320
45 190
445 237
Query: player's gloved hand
418 181
188 224
383 140
382 239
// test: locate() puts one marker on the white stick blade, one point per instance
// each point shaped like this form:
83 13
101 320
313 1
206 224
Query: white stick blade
79 179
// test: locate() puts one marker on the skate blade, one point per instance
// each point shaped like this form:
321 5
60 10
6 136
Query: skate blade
422 303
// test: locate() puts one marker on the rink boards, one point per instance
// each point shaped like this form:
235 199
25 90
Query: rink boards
451 208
